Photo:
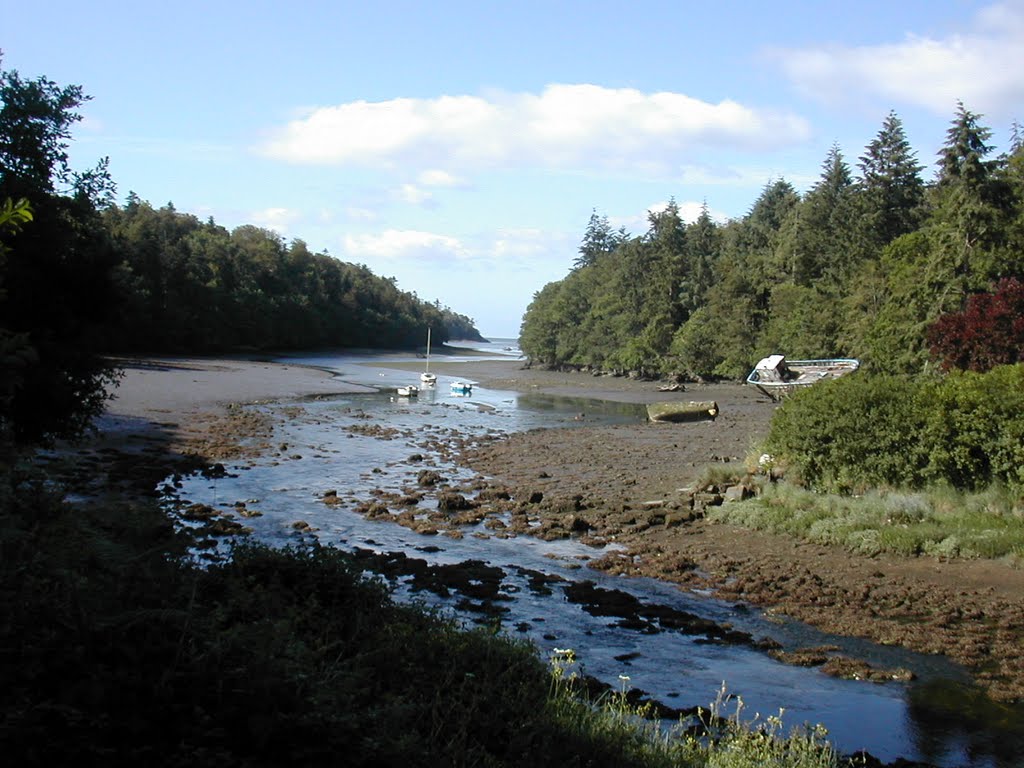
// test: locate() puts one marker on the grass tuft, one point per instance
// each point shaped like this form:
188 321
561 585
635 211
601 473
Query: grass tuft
939 522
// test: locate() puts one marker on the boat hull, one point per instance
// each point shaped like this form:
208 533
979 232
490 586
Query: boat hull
676 411
777 377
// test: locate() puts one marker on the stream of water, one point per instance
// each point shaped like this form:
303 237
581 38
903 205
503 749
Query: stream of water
354 444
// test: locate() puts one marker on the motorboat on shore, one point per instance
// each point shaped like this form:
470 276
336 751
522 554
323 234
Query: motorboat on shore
462 388
410 391
778 377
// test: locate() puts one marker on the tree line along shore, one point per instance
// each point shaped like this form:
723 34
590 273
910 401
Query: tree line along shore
117 647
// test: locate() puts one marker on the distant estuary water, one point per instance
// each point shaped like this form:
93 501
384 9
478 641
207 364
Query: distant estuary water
678 647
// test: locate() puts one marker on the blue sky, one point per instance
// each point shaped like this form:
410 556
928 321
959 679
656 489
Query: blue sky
460 147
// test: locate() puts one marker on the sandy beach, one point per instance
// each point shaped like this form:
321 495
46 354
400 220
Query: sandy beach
172 413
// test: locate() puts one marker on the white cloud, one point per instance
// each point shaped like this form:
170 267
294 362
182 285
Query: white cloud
565 127
689 212
520 243
410 193
357 213
502 251
395 244
277 219
438 178
984 67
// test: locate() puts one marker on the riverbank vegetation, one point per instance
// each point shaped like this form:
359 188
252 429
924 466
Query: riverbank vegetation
938 522
84 277
190 286
909 466
116 645
964 430
862 266
119 648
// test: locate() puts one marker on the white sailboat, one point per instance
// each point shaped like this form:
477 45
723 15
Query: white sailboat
427 378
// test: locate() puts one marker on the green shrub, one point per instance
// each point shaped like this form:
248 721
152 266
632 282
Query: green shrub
975 428
862 432
940 522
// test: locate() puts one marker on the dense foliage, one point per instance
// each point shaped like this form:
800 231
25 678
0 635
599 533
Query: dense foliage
988 332
115 651
192 286
56 271
965 430
81 277
855 267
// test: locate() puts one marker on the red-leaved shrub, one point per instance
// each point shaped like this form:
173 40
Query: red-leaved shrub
988 332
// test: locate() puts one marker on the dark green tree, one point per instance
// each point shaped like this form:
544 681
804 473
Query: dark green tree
891 189
703 248
666 241
57 276
822 233
971 203
598 239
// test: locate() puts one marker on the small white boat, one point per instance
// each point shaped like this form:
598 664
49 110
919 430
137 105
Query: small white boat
778 377
462 388
427 378
409 391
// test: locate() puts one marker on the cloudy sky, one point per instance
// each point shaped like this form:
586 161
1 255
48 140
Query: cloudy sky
461 147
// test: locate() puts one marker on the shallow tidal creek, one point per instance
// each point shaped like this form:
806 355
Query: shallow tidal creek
677 647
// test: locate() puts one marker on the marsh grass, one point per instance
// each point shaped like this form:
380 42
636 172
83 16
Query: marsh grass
118 650
723 736
939 522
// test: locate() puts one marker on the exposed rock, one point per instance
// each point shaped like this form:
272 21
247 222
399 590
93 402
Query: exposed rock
453 502
428 478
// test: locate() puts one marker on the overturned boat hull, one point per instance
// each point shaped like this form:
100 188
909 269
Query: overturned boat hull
703 410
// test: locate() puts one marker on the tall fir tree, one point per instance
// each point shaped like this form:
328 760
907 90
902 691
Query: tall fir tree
598 239
821 240
970 207
892 191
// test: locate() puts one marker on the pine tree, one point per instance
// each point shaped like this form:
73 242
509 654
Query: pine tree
703 244
892 192
598 239
821 242
971 206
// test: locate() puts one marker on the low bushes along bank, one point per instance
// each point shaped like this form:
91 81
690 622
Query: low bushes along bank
965 430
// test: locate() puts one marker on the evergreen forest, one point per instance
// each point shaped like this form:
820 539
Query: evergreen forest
82 278
877 263
117 647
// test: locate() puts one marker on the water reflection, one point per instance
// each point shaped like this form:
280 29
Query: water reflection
356 445
583 408
951 718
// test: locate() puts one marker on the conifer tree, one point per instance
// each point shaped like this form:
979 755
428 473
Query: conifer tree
703 245
970 203
599 238
892 192
821 242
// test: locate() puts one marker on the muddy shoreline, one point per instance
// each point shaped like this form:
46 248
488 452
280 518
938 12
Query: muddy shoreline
624 483
627 481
